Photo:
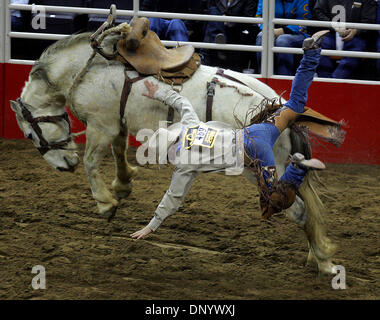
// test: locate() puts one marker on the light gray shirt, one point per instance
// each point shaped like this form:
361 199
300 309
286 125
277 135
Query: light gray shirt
226 155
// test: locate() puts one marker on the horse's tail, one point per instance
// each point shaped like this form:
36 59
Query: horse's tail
320 245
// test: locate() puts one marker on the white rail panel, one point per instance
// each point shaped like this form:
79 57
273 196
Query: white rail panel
136 7
31 35
169 15
270 36
265 43
7 28
2 32
79 10
232 47
327 24
332 80
335 53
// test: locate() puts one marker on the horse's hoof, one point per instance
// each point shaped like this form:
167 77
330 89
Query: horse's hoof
108 209
327 267
122 191
109 215
123 195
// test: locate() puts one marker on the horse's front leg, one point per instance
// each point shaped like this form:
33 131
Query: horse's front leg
122 185
96 146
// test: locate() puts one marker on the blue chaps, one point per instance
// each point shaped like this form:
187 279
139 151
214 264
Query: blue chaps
259 139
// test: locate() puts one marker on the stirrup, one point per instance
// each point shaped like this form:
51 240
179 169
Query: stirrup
299 160
315 41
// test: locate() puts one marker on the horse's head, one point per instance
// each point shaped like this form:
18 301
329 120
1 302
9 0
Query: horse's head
51 134
139 29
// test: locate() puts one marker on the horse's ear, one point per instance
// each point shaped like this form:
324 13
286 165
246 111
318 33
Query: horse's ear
14 105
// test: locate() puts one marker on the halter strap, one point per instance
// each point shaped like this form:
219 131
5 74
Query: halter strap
45 146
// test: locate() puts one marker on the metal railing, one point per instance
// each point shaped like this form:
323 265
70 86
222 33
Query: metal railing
312 23
2 31
267 48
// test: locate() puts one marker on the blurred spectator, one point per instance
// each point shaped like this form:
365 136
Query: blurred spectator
20 21
16 16
363 11
173 29
228 32
312 30
194 27
286 36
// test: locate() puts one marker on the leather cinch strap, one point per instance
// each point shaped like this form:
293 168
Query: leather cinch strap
210 98
128 82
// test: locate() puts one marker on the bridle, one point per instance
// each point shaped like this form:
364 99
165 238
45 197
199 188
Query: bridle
45 146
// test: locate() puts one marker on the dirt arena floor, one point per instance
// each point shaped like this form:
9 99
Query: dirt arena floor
215 247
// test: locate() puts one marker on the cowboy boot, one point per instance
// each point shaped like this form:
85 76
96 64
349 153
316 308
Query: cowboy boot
299 161
315 41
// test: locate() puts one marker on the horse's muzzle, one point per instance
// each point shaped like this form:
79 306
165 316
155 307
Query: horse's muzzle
70 166
69 169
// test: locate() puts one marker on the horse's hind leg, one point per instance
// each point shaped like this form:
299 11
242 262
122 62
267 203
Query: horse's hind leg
122 185
96 147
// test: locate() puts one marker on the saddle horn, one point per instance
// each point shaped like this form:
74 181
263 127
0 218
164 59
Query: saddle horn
112 14
109 23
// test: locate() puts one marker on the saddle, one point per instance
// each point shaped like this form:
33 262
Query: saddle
140 49
151 57
143 51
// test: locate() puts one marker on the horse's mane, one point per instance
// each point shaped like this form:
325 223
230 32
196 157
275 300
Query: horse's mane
64 43
41 67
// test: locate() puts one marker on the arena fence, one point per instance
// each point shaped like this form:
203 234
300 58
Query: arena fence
13 72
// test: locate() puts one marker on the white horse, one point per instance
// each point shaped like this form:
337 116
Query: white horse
96 102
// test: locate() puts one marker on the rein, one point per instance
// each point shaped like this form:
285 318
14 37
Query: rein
45 146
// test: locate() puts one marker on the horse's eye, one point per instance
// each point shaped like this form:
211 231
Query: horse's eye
144 33
30 136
